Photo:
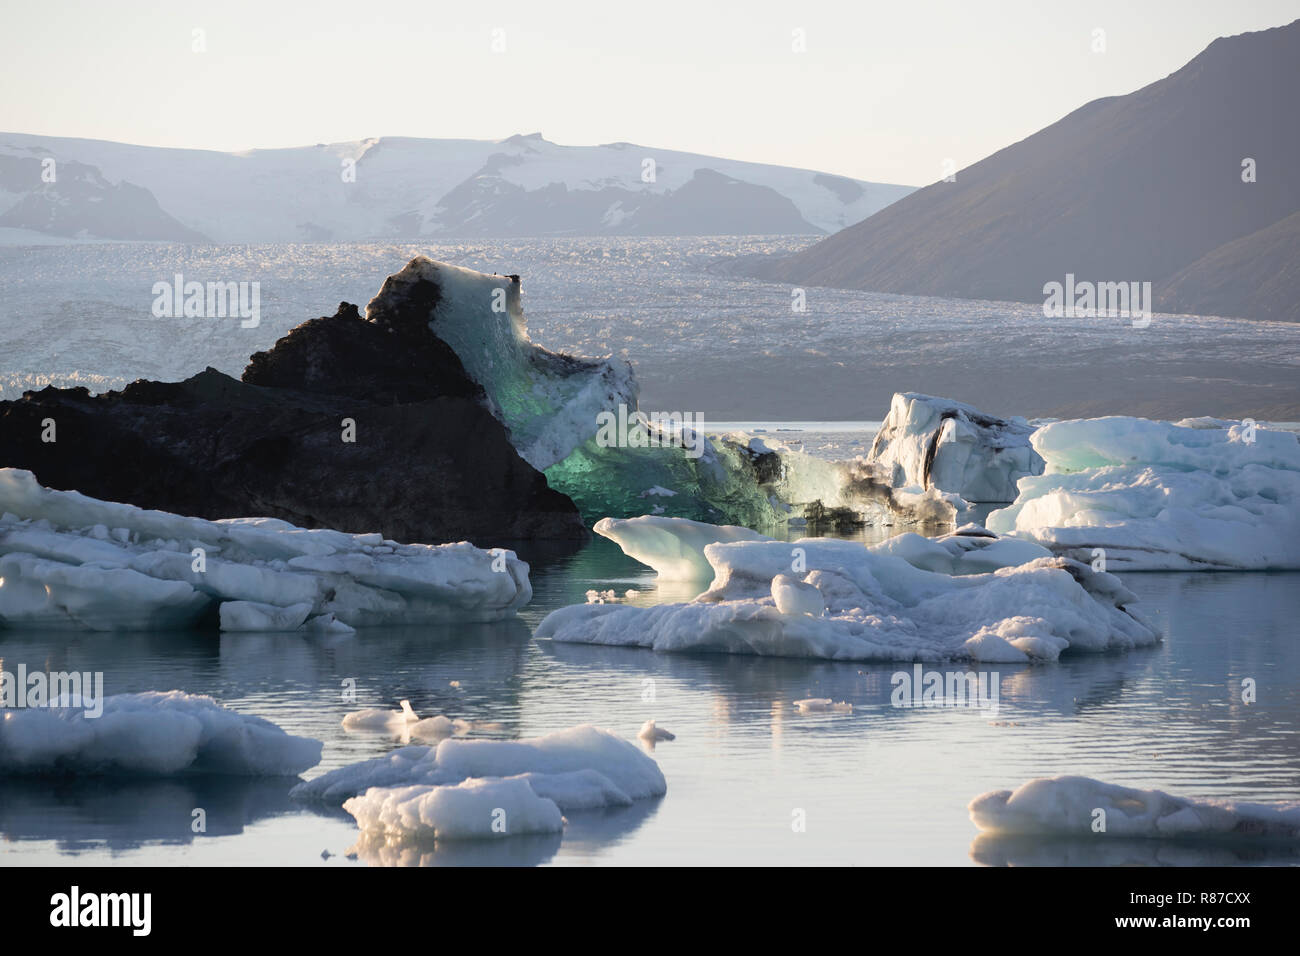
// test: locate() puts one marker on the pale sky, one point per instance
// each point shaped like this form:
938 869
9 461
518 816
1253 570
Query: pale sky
884 91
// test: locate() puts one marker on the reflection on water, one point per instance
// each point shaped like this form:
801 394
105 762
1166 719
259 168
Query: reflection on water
877 785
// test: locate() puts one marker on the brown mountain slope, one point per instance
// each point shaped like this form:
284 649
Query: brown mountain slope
1128 188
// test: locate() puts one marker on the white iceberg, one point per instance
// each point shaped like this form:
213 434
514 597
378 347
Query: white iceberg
928 443
151 734
609 766
674 547
68 561
473 809
1149 495
549 401
1068 806
878 607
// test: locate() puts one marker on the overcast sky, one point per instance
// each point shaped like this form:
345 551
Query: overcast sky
883 91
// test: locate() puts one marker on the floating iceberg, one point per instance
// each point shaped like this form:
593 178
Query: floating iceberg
549 401
151 734
936 443
1156 496
607 765
473 809
674 547
1069 805
879 606
69 561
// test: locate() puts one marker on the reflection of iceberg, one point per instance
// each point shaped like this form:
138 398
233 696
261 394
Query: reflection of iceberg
123 813
532 849
1009 849
69 561
1066 806
152 734
1157 496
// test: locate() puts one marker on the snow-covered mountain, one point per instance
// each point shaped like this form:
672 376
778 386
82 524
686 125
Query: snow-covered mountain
403 188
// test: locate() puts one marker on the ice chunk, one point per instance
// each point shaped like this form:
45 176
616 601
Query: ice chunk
653 733
674 547
252 616
822 705
548 401
1068 806
453 761
1149 495
152 733
936 443
472 809
403 723
878 607
57 570
793 596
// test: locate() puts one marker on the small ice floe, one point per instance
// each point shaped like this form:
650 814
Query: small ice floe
404 723
822 705
487 789
652 734
610 596
1082 806
150 734
793 596
571 766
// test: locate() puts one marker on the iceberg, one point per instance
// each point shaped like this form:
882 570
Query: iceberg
1151 495
674 547
606 763
878 606
1068 806
548 401
936 443
72 562
473 809
150 734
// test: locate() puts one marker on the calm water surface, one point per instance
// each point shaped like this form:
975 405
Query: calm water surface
878 786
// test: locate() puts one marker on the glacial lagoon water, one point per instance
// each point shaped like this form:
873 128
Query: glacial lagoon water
880 785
